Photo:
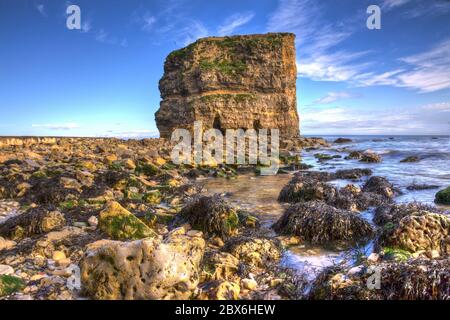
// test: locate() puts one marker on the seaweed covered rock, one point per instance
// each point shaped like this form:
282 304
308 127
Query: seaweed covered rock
443 196
305 187
393 213
370 157
34 221
255 252
379 185
120 224
415 279
302 189
212 215
245 81
142 269
319 223
352 174
424 231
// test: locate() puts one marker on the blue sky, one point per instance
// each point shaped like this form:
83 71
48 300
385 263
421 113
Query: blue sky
102 80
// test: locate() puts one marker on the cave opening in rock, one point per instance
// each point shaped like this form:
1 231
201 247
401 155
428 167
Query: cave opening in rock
217 124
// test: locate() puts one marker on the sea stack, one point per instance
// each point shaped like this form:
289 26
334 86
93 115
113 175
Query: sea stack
238 82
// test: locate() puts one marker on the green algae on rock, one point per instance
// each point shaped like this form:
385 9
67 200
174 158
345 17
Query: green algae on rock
120 224
443 196
10 284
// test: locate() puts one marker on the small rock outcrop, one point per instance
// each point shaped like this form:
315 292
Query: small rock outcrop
239 82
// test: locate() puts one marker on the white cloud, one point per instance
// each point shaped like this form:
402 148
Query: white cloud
233 22
57 126
389 4
441 107
41 8
193 31
333 97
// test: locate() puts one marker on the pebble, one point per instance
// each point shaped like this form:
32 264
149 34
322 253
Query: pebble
6 244
249 284
6 270
355 270
373 257
195 233
58 255
93 221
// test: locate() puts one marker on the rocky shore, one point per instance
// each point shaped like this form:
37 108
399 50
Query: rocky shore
88 218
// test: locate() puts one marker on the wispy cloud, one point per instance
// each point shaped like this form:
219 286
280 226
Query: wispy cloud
390 4
431 69
57 126
317 39
234 22
86 25
442 107
145 20
331 97
104 37
41 8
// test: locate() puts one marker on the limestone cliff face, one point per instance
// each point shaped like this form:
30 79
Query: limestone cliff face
246 82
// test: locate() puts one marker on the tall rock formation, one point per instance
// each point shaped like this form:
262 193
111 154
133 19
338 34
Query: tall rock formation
246 82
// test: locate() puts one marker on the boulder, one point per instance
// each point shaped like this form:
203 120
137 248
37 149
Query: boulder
425 231
212 215
411 159
343 140
319 223
120 224
256 252
142 269
443 196
370 157
379 185
34 221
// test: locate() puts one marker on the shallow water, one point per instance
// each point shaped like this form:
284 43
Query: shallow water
259 194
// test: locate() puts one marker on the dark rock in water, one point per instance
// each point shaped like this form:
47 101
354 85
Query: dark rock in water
212 215
311 185
256 252
381 186
34 221
352 174
354 155
319 223
343 140
415 279
421 187
411 159
370 157
302 189
323 156
443 196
